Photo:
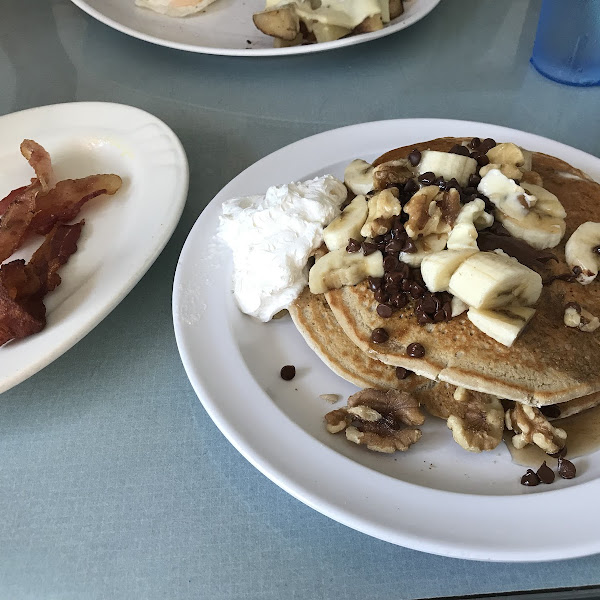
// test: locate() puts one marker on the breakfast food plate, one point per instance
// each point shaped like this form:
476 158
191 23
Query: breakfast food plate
123 234
226 27
436 497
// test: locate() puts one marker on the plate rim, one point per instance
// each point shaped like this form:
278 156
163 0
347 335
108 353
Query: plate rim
314 499
167 226
248 52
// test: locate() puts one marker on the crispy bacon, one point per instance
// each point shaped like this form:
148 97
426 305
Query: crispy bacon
16 221
64 201
41 163
23 286
12 196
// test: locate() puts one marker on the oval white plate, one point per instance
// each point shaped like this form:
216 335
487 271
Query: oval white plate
226 27
436 497
123 234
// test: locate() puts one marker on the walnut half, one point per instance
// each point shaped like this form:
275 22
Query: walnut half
476 420
375 419
531 426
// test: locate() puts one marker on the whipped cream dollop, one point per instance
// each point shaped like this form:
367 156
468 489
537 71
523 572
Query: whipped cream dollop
271 238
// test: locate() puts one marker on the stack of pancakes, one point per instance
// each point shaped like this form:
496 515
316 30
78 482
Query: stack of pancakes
548 364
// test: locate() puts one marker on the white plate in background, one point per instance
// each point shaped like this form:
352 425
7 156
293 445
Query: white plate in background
436 497
123 234
226 27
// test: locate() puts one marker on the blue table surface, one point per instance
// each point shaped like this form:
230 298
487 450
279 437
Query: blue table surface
114 483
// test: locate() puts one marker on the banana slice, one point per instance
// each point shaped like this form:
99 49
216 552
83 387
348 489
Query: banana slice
437 268
527 211
472 216
425 246
506 195
583 251
338 268
503 325
458 306
544 226
447 165
347 225
358 176
487 280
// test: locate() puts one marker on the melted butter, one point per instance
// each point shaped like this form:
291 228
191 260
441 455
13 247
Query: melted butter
583 437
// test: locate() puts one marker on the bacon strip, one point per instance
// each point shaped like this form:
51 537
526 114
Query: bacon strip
12 196
41 163
64 201
16 221
23 286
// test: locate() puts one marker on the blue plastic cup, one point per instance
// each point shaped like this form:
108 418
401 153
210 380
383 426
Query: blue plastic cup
567 42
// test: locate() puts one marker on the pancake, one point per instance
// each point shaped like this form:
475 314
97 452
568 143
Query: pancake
548 364
315 321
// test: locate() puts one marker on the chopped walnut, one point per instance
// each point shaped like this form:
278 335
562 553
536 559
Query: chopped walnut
374 418
432 211
383 207
392 173
476 420
532 427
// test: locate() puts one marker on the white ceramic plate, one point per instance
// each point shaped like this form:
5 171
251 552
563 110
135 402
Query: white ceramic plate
123 234
226 27
436 497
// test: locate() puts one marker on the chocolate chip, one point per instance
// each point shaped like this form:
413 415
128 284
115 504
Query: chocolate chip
415 350
394 245
551 411
402 373
474 142
545 473
368 248
385 311
353 245
447 309
409 247
416 290
469 191
530 479
374 283
482 160
428 304
399 300
560 454
411 186
379 335
288 372
474 180
439 316
486 145
390 263
566 469
394 278
414 157
426 178
453 184
576 270
423 318
381 295
459 149
392 288
440 182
